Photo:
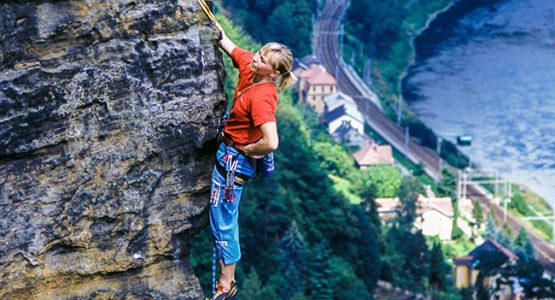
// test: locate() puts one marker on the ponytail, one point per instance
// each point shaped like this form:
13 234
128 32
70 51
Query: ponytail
281 59
286 80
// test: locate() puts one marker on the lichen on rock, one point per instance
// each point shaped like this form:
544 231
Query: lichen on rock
108 116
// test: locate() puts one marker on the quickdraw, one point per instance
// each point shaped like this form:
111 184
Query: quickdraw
230 166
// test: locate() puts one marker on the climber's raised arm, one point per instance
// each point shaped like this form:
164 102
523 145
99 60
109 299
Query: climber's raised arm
225 43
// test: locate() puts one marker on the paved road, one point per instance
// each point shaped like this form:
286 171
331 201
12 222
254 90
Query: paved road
326 47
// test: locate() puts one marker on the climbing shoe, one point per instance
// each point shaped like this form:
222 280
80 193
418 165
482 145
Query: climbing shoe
229 295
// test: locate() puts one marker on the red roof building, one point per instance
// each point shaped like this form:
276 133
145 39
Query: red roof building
314 85
373 154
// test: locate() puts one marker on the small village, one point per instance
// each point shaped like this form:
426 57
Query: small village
345 123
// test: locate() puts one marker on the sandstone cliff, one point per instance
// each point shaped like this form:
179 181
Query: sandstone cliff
108 114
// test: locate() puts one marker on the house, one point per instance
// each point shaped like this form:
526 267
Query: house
435 217
310 60
373 154
466 272
335 100
347 135
388 208
315 84
344 114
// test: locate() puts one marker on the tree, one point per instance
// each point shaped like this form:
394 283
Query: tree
477 212
346 284
523 246
319 278
367 259
251 289
448 184
438 268
491 231
408 257
385 179
333 158
293 263
378 24
408 193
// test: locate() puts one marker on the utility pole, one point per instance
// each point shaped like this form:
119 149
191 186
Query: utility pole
407 137
399 109
340 34
496 186
438 152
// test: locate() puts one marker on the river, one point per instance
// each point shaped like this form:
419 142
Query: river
488 70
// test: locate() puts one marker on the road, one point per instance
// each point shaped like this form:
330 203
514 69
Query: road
326 47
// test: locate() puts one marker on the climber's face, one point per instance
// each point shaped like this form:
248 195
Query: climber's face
261 66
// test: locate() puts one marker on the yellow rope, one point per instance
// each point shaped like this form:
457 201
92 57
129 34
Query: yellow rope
207 11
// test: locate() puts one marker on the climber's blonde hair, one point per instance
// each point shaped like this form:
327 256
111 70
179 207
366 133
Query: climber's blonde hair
280 58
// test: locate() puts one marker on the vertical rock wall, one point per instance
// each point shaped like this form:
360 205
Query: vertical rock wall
108 114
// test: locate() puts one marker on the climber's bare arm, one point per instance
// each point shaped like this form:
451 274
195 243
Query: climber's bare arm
225 43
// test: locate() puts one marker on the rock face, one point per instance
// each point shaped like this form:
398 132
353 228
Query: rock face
108 115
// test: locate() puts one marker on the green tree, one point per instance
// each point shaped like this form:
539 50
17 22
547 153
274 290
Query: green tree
251 288
477 212
523 245
346 284
408 257
385 179
408 194
291 23
366 260
368 196
407 254
491 231
320 270
447 185
439 270
376 23
333 158
293 263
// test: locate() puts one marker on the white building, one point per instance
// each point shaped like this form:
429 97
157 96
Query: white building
340 108
434 215
336 100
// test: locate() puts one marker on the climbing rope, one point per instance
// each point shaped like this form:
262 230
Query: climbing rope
207 11
214 272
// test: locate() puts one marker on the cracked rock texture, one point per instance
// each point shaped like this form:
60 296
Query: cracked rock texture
108 117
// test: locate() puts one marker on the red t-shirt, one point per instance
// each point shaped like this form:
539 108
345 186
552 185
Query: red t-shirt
253 108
